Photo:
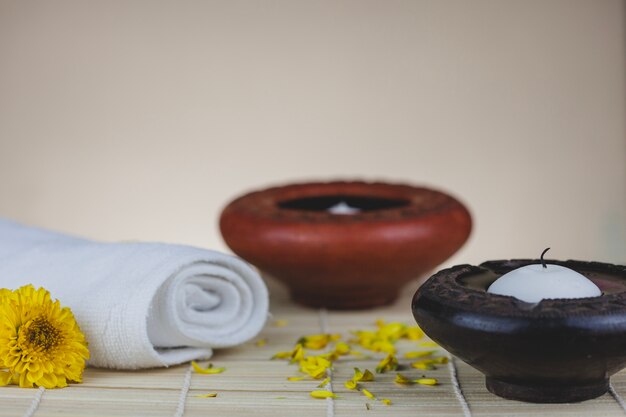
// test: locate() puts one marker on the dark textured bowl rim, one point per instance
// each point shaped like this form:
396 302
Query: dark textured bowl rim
449 280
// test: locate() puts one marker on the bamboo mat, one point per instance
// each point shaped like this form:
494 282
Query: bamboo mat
254 385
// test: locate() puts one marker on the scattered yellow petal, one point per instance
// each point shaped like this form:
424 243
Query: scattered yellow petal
209 395
210 370
315 366
427 381
368 394
295 378
280 323
342 348
429 344
324 382
419 354
386 401
389 363
323 394
362 376
297 354
414 333
318 341
282 355
261 342
425 365
401 379
428 364
351 384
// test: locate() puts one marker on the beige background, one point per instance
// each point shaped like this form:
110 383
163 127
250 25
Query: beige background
141 119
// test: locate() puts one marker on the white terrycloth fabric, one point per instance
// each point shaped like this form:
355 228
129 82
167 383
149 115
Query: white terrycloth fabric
140 305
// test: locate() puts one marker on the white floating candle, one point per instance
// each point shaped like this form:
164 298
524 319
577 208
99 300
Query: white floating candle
533 283
343 208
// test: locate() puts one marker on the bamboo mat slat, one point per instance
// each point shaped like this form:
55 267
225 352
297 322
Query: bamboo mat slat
255 385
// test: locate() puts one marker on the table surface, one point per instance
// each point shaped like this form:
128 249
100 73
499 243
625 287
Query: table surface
254 384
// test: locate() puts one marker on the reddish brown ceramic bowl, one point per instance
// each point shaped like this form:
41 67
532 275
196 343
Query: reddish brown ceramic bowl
345 261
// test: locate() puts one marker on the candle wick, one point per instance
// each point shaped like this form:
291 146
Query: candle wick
543 253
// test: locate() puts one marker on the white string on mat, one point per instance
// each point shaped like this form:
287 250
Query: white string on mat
34 405
617 397
184 390
456 385
330 402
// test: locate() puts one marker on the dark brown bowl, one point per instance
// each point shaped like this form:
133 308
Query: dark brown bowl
559 350
345 261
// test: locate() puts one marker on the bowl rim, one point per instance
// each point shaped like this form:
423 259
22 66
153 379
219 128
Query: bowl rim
422 202
447 289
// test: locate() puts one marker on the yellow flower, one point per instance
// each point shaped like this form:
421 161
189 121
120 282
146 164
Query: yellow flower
295 378
386 401
322 394
429 344
41 344
390 363
209 370
209 395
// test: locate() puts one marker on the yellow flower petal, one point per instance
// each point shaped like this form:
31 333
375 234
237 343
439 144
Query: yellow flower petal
419 354
324 382
386 401
351 384
414 333
207 371
295 378
401 379
427 381
280 323
317 341
425 365
342 348
362 376
429 344
261 342
5 378
323 394
209 395
389 363
368 394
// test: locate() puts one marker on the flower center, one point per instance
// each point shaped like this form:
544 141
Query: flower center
40 334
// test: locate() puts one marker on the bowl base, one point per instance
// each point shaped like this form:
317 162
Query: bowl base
358 300
546 394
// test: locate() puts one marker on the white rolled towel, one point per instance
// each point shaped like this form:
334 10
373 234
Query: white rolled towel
140 305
